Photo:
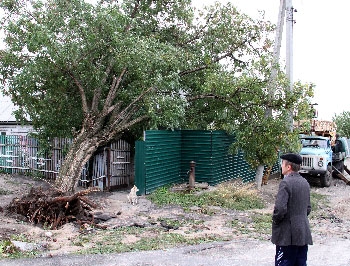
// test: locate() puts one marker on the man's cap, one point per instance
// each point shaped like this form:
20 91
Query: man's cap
292 157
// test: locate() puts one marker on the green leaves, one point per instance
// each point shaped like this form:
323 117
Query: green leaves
343 123
74 65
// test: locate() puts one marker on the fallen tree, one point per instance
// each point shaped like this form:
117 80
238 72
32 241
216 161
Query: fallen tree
52 209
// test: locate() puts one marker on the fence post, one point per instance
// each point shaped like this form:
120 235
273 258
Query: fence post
108 170
192 176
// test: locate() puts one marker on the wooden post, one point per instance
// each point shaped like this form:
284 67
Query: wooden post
192 177
108 170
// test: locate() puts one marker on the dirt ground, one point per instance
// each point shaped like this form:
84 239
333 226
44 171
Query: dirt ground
332 218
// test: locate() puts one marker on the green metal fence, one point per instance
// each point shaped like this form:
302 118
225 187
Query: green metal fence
164 158
161 160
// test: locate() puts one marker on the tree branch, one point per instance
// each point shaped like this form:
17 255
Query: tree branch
133 14
98 90
190 71
81 91
236 106
125 113
113 90
197 35
125 126
216 59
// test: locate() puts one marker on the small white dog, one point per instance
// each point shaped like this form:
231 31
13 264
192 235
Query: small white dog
132 197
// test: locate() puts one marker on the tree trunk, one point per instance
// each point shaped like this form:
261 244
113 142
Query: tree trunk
258 176
79 153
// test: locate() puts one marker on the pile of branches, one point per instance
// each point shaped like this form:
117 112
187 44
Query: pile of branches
54 209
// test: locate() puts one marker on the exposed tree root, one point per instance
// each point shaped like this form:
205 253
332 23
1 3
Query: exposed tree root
53 209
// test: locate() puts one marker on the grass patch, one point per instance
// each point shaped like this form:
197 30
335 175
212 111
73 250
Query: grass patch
257 226
173 223
263 223
319 205
318 201
231 195
9 251
112 241
5 192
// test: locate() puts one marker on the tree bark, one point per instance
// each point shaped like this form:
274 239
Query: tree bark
258 176
79 153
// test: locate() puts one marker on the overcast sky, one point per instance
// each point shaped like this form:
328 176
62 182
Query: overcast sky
321 47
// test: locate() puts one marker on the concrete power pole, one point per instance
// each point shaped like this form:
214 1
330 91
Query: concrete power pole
276 53
289 50
271 86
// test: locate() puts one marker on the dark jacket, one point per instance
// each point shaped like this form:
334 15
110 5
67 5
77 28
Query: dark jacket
290 224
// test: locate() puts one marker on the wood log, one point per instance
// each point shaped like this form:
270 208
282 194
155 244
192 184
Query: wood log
88 202
71 197
57 221
341 176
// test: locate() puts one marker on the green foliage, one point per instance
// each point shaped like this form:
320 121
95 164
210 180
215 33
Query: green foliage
115 68
343 123
262 136
58 55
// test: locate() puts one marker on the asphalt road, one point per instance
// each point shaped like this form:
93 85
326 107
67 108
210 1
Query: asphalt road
328 252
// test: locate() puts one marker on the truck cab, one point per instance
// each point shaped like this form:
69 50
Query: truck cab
317 156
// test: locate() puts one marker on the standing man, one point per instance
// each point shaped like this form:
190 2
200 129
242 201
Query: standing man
338 145
290 225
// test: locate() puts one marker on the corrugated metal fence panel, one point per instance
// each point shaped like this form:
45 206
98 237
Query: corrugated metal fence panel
167 156
222 161
242 169
140 169
197 147
276 167
210 151
162 158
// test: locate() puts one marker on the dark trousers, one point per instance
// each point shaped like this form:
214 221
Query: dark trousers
291 255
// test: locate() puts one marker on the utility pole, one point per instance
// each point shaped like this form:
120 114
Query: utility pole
285 7
276 54
289 50
271 86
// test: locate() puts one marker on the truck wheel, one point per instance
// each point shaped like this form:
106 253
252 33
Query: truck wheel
327 178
